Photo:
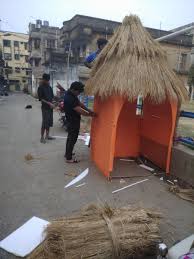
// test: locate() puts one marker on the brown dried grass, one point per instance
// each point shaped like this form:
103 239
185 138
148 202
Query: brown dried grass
185 194
101 232
132 63
29 157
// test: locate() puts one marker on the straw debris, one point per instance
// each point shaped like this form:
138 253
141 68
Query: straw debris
132 63
101 232
29 157
185 194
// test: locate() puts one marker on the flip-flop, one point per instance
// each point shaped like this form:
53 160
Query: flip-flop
72 161
50 138
73 154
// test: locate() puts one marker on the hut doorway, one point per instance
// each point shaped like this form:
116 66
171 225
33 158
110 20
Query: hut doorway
127 142
119 133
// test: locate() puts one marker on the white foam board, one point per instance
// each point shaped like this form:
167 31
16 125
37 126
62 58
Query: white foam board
147 167
26 238
78 178
87 140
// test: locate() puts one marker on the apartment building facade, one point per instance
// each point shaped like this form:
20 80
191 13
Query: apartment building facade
16 71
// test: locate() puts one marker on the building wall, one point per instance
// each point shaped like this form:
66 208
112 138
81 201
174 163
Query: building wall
46 56
81 33
178 49
15 53
179 57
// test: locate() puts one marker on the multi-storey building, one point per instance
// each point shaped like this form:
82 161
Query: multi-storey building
61 52
83 31
14 48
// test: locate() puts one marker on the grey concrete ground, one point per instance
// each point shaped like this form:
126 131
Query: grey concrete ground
37 188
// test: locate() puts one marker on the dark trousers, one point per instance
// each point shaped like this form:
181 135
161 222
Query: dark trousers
73 132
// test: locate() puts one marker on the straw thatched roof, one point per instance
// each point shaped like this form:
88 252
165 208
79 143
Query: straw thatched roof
132 63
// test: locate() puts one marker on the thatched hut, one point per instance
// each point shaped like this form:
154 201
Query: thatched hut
133 64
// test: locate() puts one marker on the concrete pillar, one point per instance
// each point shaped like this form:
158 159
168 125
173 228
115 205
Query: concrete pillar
192 50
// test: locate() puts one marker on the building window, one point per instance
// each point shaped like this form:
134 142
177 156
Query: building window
36 61
7 56
17 57
65 35
8 71
27 72
51 44
37 43
67 47
25 45
17 69
16 43
6 43
84 48
183 62
26 59
87 31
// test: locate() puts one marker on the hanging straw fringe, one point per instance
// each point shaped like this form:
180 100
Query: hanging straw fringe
132 63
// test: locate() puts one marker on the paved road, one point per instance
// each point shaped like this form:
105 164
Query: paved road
37 188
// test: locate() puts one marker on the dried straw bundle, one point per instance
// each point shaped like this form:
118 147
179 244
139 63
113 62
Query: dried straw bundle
101 232
132 63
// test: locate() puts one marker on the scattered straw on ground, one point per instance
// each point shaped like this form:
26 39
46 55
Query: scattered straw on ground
29 157
185 194
100 232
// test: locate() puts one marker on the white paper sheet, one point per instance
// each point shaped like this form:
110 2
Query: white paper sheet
80 137
87 141
60 137
26 238
78 178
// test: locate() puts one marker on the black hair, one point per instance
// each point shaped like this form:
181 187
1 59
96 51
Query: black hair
77 86
101 41
46 77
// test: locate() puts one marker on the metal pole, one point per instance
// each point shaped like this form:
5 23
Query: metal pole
192 92
171 35
68 57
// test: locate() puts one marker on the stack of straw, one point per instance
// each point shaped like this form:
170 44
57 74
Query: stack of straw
133 64
103 233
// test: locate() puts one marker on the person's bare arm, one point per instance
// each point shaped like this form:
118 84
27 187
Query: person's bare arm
84 107
49 103
87 64
83 112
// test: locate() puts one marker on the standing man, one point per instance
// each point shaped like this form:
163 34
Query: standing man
73 111
45 95
101 42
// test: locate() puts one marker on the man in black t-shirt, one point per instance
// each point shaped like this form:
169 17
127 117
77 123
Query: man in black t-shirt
73 111
45 95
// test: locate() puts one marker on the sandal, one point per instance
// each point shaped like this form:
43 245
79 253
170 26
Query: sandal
72 161
73 154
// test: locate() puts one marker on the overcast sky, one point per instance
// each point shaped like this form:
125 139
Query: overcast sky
16 14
